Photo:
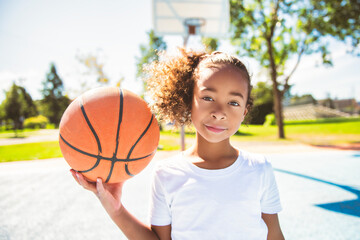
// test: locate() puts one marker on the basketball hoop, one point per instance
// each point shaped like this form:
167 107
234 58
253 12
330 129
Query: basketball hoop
193 25
206 18
191 17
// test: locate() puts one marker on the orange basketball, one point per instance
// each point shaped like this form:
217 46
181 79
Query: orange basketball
109 133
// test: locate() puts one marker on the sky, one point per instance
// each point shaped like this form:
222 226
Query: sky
35 33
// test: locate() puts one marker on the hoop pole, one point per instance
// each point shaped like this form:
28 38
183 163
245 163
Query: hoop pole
182 130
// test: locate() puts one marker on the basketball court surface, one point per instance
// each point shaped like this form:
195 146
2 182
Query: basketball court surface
320 194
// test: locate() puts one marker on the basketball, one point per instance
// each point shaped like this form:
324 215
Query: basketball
109 133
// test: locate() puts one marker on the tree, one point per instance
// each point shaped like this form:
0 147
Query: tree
337 18
149 53
18 105
276 31
94 66
54 102
30 109
2 113
263 103
303 99
211 44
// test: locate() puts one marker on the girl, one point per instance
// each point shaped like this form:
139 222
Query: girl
212 190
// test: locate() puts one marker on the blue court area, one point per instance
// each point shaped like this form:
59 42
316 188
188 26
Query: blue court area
320 193
39 199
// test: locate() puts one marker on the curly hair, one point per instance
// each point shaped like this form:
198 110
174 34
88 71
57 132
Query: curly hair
171 81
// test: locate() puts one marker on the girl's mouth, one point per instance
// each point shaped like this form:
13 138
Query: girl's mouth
215 129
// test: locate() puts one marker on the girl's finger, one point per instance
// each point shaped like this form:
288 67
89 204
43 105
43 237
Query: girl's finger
85 183
100 187
73 173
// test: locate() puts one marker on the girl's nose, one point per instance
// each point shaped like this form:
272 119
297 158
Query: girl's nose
219 115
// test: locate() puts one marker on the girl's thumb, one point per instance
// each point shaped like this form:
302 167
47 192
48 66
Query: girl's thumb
100 187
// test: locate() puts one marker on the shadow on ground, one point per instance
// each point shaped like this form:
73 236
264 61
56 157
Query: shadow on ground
350 207
355 146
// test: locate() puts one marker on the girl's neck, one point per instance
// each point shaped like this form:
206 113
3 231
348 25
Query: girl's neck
212 155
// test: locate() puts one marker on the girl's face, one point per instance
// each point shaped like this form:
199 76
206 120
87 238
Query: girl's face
219 102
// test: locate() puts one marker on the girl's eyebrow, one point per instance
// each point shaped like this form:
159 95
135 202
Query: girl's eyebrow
236 94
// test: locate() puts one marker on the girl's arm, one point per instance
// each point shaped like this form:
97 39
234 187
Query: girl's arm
163 232
274 230
110 197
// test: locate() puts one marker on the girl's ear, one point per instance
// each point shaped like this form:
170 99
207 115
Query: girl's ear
246 111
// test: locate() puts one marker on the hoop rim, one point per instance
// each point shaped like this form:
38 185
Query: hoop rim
194 21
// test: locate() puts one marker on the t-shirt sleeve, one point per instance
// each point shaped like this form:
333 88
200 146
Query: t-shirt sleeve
270 199
159 208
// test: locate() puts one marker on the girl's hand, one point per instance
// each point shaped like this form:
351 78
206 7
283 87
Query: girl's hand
109 194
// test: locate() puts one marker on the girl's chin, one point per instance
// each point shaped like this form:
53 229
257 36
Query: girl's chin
213 138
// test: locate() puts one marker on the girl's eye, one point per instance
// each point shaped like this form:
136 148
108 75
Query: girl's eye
207 99
234 104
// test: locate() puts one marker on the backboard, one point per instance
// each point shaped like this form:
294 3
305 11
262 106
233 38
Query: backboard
208 18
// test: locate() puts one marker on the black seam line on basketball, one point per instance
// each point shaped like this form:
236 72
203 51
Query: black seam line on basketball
78 150
119 121
93 167
110 172
127 168
144 132
90 126
127 171
117 135
132 148
101 157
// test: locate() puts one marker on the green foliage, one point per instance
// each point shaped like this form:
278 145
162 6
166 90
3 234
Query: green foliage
262 93
273 32
36 122
288 27
270 120
14 105
336 18
17 106
149 53
2 112
211 44
54 102
258 113
263 103
30 109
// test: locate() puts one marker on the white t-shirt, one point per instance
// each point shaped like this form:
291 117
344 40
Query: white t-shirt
214 204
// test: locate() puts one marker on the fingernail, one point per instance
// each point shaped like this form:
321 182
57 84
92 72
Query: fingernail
98 180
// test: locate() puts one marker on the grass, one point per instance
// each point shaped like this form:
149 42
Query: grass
325 133
310 132
21 133
322 132
30 151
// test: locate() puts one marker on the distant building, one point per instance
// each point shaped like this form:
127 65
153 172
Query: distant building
326 108
344 105
311 111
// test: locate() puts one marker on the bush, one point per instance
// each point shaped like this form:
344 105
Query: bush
36 122
270 120
258 113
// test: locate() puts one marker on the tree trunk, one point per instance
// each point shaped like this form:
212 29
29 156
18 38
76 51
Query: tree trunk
276 92
278 110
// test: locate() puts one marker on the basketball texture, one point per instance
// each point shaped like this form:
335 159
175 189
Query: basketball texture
109 133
